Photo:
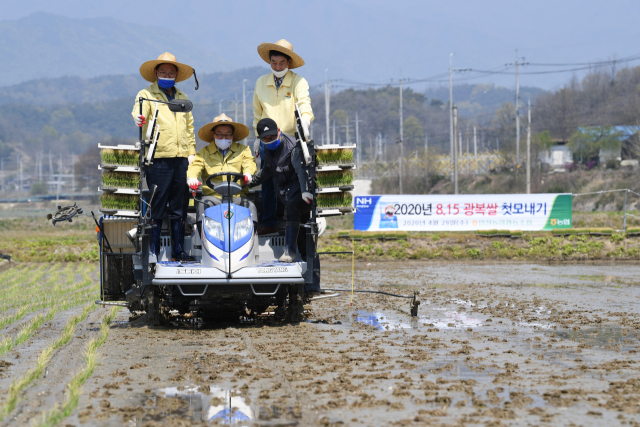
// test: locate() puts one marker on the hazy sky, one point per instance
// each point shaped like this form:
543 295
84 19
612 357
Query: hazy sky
372 40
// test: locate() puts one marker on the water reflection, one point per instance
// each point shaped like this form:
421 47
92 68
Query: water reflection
218 405
380 320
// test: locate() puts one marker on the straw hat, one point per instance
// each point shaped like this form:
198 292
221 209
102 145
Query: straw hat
240 132
148 69
281 46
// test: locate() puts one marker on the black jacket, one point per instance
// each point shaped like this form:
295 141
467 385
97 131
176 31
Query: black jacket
286 166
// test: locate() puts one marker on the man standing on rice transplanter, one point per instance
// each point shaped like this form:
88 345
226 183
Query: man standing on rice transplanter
274 97
175 150
283 162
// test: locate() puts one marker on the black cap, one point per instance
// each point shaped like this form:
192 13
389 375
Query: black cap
266 127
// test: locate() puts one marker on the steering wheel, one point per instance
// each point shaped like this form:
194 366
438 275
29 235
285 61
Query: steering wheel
232 175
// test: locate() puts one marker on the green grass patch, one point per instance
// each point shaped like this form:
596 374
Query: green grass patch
335 200
119 201
335 178
120 179
119 157
334 156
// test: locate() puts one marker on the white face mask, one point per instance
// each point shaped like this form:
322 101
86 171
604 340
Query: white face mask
280 74
223 144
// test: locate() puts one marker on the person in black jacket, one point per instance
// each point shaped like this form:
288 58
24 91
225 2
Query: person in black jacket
284 163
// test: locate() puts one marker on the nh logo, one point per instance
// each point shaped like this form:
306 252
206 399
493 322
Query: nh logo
363 200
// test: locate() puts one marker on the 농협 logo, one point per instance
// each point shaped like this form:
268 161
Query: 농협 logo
555 221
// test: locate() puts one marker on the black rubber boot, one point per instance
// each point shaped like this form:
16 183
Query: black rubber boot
154 239
177 242
290 242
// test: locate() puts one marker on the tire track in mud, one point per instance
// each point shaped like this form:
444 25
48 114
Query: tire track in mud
50 388
301 398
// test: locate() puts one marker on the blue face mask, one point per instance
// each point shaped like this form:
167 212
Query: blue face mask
273 145
166 83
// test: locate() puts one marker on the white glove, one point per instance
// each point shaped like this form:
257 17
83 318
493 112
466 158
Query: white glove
191 157
193 183
305 127
256 147
248 178
140 120
307 197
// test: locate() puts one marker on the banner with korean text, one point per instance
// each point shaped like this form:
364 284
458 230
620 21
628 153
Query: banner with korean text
463 212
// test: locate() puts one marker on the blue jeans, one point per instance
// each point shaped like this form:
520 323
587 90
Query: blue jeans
269 200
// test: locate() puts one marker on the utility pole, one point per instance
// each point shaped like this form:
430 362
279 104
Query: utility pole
400 140
455 151
327 97
475 149
529 150
2 174
517 114
20 176
518 64
235 117
244 103
468 151
59 179
460 143
451 131
73 173
426 159
358 150
220 107
334 131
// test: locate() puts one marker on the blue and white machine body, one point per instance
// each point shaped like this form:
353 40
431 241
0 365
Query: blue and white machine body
228 238
228 251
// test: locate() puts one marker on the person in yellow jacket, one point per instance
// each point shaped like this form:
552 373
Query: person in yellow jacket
274 97
225 155
176 148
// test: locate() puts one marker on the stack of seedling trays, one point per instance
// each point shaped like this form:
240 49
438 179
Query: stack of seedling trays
120 180
335 172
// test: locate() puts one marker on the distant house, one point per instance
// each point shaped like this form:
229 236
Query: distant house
628 148
558 157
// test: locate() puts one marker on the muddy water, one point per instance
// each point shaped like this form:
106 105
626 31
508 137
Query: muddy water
505 344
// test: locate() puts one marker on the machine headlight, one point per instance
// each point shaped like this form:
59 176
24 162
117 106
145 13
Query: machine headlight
242 228
214 228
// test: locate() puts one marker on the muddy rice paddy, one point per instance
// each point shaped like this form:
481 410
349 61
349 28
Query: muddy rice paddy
494 344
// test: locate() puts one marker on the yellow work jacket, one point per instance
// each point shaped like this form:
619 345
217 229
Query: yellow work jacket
209 161
279 105
176 129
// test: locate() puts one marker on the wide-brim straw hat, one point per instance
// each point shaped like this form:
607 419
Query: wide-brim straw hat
148 69
240 131
282 46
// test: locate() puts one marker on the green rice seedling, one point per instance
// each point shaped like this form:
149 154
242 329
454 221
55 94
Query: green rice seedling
516 234
335 156
335 200
356 235
34 373
58 413
119 201
601 231
344 234
633 231
335 178
110 156
120 179
402 235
